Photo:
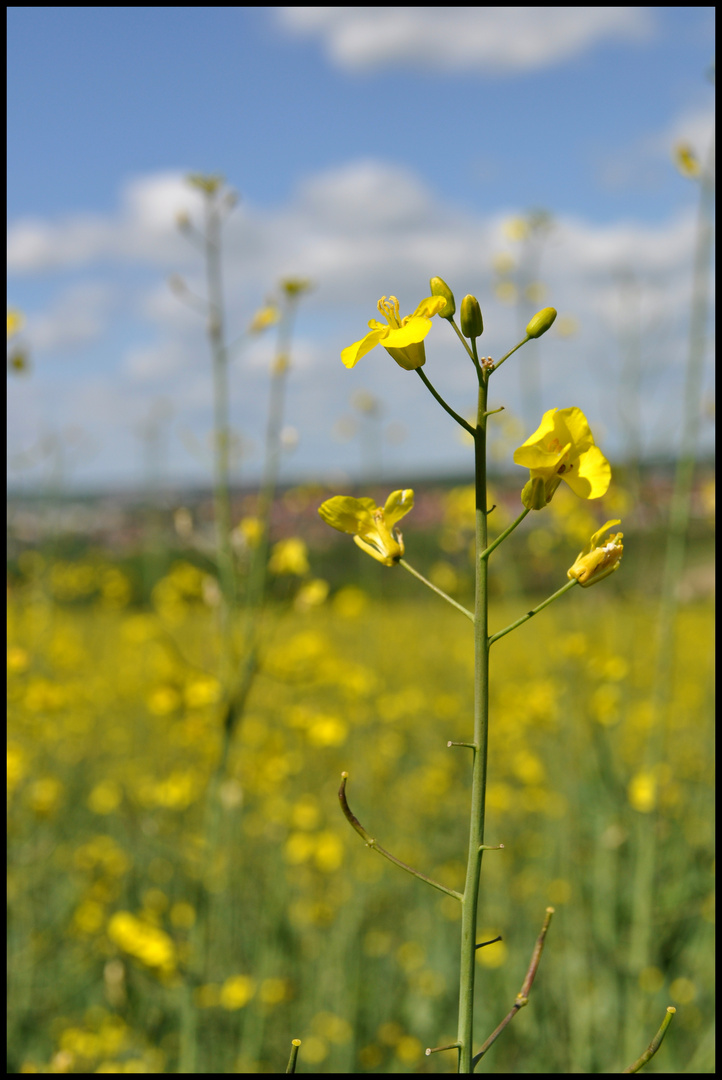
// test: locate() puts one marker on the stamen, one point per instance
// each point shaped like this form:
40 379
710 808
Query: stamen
390 311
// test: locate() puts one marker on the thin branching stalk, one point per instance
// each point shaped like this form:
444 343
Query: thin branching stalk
655 1043
562 448
221 419
522 998
679 513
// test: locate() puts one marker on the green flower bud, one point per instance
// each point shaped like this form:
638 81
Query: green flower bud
440 288
541 322
472 324
533 494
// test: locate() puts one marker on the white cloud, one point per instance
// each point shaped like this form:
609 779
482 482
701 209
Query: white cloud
154 362
642 164
360 231
145 230
78 315
484 39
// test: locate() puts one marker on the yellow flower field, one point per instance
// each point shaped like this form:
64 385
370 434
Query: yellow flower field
113 736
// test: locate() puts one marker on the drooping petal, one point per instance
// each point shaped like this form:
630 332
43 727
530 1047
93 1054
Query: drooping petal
591 476
353 353
379 554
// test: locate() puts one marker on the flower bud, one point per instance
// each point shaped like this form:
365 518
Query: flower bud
533 494
440 288
472 324
295 286
541 322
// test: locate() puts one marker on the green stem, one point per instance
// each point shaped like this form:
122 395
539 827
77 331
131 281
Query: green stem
481 723
440 592
535 611
291 1067
655 1043
506 356
447 408
462 339
503 536
522 998
375 846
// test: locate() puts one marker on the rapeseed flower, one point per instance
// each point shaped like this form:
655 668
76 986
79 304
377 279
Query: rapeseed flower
289 557
15 322
371 526
403 338
598 560
686 160
562 448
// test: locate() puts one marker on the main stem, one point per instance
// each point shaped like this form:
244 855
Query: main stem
481 725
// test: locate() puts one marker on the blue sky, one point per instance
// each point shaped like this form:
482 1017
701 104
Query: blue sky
372 148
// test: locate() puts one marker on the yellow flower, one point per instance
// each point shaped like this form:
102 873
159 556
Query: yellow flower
15 321
371 527
686 160
295 286
597 560
402 338
264 317
289 557
562 448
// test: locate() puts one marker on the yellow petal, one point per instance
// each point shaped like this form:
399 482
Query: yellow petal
387 560
430 306
347 514
592 475
412 332
398 504
353 353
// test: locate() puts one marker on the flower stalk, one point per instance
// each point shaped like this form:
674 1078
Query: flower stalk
562 449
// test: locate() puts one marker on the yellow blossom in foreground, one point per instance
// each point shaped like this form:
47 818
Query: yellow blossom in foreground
562 448
403 338
371 527
597 560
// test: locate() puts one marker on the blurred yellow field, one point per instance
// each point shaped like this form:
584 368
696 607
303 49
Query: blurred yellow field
113 736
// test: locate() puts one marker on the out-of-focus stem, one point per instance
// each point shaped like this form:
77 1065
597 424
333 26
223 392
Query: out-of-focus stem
646 831
221 424
272 460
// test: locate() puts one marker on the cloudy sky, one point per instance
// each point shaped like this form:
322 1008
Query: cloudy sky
371 148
